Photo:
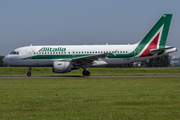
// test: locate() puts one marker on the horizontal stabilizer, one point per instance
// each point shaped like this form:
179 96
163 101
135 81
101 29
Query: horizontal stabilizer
160 51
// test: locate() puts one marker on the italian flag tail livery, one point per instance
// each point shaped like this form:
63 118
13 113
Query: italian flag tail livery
155 38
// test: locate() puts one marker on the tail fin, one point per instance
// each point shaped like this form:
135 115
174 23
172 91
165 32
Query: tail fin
156 37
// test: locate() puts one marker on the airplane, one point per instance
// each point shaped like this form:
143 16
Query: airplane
64 58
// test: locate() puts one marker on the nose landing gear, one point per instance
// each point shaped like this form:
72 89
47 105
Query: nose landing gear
29 72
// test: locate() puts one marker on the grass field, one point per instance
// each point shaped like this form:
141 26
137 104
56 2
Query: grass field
90 98
47 71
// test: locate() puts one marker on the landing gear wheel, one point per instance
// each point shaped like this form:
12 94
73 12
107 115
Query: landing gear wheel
29 74
86 73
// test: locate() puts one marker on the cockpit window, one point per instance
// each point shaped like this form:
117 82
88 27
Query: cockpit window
12 52
15 53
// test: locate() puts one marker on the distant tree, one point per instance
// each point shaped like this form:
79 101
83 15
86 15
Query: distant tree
118 66
162 61
126 65
1 61
2 64
145 63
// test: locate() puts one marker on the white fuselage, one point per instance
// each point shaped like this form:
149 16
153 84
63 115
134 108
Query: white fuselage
45 55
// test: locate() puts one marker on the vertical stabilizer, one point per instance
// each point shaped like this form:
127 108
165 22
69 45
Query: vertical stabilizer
155 38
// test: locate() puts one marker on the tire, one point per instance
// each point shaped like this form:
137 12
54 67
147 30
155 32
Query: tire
29 74
86 73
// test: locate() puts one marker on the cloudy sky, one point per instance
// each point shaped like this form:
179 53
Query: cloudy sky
72 22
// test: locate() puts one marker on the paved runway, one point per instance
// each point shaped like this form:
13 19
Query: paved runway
93 76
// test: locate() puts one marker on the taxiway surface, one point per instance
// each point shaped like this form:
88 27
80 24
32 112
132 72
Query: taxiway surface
93 76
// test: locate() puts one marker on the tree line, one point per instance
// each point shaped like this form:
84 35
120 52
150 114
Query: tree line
1 62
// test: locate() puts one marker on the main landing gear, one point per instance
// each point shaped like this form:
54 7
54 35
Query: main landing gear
29 72
86 73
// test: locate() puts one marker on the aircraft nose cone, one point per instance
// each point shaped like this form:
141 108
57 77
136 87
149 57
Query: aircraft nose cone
5 60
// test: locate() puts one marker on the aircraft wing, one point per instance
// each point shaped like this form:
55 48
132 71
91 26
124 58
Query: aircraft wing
91 57
160 51
88 60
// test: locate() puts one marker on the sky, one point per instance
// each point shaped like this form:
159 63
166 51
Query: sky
79 22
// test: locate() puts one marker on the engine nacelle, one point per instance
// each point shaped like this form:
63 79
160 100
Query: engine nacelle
62 67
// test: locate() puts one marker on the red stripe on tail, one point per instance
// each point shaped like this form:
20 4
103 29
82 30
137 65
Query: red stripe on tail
152 45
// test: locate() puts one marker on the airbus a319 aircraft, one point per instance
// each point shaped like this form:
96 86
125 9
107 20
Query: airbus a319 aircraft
64 58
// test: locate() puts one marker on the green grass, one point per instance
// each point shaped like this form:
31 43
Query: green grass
47 71
90 98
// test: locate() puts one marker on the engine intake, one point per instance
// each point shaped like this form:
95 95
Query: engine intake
62 67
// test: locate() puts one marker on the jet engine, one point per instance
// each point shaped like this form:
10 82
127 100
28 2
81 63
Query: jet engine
62 67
